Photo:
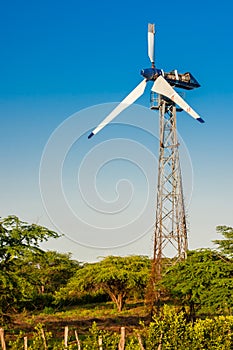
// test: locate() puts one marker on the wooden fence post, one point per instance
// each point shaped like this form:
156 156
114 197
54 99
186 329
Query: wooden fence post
160 342
140 342
77 340
66 332
2 339
25 341
100 342
44 339
121 345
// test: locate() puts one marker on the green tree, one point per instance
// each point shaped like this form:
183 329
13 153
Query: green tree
225 245
46 272
18 239
119 277
50 270
203 280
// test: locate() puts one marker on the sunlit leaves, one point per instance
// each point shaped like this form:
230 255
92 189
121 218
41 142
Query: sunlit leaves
225 245
119 277
203 280
19 241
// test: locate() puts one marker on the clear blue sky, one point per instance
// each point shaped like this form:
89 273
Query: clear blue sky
58 58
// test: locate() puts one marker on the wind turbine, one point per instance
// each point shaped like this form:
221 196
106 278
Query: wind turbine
170 226
163 84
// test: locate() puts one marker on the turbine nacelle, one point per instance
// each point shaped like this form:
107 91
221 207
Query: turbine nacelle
180 80
151 73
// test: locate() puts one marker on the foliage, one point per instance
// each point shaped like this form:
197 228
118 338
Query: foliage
169 331
225 245
46 272
109 341
40 338
119 277
203 280
18 237
18 343
18 241
51 270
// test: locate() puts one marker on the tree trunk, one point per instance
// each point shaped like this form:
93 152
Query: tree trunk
192 313
119 300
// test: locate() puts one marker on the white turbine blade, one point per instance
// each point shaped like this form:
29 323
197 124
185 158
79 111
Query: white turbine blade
128 100
162 87
151 41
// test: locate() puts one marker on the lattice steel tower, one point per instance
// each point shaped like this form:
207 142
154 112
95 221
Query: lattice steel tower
170 236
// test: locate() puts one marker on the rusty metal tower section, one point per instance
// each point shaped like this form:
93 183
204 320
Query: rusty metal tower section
170 237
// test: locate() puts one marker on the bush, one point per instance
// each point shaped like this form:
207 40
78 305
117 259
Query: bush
172 331
38 302
169 330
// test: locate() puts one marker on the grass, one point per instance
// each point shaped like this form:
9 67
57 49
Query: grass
98 310
81 317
